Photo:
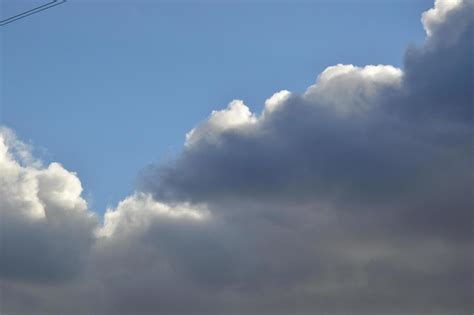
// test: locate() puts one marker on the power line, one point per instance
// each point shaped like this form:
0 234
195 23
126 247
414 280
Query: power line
31 12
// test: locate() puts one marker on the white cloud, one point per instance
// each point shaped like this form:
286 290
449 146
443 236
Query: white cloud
348 88
30 189
436 16
276 100
41 210
18 184
137 212
60 188
236 115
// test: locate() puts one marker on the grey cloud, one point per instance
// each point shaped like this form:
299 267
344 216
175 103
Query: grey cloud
359 138
439 75
390 155
307 146
352 198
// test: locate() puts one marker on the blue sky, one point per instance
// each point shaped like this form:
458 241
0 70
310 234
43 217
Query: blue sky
108 88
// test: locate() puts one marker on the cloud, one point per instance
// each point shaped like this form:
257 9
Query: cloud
435 17
353 197
45 224
236 116
135 212
347 88
438 75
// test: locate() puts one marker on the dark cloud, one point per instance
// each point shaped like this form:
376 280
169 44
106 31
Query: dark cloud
389 154
354 197
368 138
439 75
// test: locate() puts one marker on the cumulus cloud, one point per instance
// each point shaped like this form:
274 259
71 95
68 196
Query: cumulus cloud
353 197
347 88
135 211
434 18
236 116
45 224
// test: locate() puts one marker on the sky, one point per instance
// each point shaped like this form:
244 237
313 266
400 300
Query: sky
87 82
244 158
